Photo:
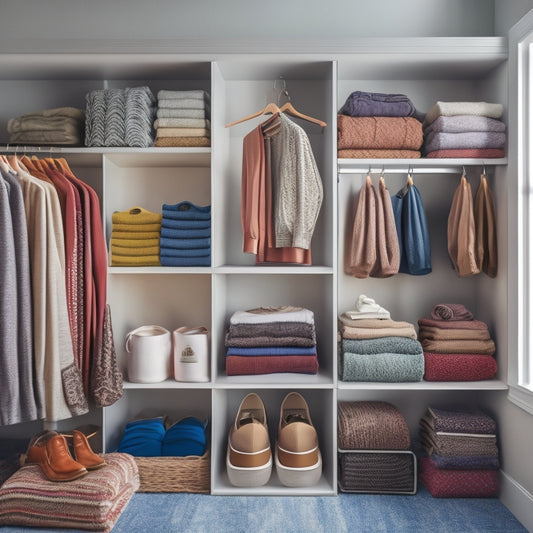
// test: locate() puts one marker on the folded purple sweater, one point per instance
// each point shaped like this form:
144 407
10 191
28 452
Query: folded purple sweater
464 124
474 139
365 104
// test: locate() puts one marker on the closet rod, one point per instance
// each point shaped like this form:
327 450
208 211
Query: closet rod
400 170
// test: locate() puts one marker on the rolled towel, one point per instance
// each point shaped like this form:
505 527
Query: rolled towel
384 368
452 311
404 345
366 307
369 104
379 132
485 109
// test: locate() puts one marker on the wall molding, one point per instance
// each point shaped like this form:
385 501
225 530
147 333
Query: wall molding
517 499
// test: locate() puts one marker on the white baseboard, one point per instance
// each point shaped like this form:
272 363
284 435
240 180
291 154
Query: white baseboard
517 499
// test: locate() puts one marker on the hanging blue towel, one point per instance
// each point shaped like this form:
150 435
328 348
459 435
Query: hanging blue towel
186 437
186 211
185 233
143 438
185 261
185 244
412 230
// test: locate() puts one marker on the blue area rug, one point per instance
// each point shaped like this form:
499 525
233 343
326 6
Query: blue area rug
361 513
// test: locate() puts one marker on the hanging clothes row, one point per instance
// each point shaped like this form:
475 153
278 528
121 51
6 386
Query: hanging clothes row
55 322
388 235
281 192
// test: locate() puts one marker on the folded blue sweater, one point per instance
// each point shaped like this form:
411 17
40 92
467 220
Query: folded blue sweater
186 437
143 438
185 261
186 211
173 233
185 224
176 252
184 244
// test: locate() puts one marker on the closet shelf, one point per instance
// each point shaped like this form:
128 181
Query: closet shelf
274 381
418 166
426 385
286 269
167 384
114 270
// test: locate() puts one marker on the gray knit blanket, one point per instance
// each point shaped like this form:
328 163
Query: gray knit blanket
395 345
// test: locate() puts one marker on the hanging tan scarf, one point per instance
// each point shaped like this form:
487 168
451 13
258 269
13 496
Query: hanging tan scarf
485 220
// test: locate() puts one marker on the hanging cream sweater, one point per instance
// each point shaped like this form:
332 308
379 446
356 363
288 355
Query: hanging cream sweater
296 186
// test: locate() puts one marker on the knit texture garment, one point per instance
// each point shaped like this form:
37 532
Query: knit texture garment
441 334
458 483
266 315
466 462
453 324
396 345
383 367
486 347
348 319
460 420
371 425
486 231
382 473
464 124
370 104
458 367
263 341
93 502
456 141
475 153
242 365
273 330
191 142
399 133
484 109
181 113
349 332
369 153
271 350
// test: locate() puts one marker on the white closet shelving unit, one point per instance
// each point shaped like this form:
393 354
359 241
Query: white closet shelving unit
242 82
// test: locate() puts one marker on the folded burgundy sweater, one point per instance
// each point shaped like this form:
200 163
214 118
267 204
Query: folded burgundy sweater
458 367
237 365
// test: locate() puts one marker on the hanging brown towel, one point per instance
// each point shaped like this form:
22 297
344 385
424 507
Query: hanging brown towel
461 231
485 220
361 247
387 247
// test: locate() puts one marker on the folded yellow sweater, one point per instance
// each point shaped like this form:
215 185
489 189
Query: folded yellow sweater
125 260
133 243
134 252
135 235
136 215
135 229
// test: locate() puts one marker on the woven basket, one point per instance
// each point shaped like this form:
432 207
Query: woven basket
175 474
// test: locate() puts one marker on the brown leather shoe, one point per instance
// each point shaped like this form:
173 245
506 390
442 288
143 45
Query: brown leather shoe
83 452
50 451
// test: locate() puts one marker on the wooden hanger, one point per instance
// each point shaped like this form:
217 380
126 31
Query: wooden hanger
290 109
269 109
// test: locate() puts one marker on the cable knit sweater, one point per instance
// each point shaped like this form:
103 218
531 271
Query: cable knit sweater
296 186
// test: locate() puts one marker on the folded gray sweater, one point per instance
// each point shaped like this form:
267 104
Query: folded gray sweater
464 124
453 141
396 345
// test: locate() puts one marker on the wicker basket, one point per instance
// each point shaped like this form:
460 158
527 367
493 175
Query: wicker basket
175 474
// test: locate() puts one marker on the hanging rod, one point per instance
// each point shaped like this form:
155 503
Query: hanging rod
400 170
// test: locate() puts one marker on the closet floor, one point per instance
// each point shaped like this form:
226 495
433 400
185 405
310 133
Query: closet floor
199 513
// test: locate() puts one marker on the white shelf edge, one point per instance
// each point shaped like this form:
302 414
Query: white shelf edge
274 381
425 385
253 269
118 270
168 384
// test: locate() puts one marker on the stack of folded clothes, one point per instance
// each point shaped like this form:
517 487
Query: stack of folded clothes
150 437
464 129
373 347
183 118
456 347
135 238
374 455
51 127
271 340
377 125
462 458
120 117
185 235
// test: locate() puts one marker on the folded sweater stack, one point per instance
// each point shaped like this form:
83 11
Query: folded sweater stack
373 347
183 118
271 340
366 430
185 235
51 127
119 117
462 454
456 347
464 129
151 438
377 125
135 238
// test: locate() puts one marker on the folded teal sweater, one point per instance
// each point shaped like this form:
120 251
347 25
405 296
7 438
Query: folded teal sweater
395 345
386 367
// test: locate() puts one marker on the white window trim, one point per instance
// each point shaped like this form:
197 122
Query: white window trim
520 172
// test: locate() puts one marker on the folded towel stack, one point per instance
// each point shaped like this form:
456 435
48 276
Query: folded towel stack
462 454
373 347
51 127
185 235
119 117
152 438
377 125
373 249
183 118
456 347
271 340
464 129
374 456
135 238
